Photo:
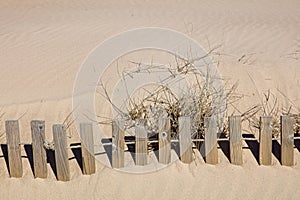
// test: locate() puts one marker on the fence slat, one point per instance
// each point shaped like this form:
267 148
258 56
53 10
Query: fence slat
87 148
287 140
38 150
13 148
141 147
118 144
61 153
265 141
235 138
164 141
185 140
211 150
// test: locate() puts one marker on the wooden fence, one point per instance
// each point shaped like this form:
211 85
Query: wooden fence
141 141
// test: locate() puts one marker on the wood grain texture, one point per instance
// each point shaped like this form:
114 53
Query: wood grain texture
13 148
61 153
141 146
38 150
185 140
118 143
287 140
164 141
87 148
210 142
265 141
235 138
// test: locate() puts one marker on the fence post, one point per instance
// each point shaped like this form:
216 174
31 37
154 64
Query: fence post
164 141
13 148
38 150
287 140
211 150
118 144
141 147
235 137
265 141
87 148
61 152
185 140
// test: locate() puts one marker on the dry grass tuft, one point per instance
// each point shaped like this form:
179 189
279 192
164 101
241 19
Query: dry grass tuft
270 106
68 123
198 101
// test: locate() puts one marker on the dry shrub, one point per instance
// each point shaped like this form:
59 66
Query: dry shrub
198 101
270 106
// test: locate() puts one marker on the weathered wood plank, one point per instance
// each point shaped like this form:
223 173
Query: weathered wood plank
87 148
164 141
185 140
210 142
118 144
13 148
141 147
235 138
38 150
61 153
287 140
265 141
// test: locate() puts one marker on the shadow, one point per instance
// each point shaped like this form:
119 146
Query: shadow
129 138
297 142
276 150
5 155
156 153
108 148
131 147
51 160
253 145
225 145
155 148
29 153
175 146
201 148
77 154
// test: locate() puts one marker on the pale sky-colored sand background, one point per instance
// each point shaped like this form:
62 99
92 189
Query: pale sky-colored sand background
44 43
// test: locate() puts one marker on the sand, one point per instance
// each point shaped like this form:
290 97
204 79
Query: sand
43 45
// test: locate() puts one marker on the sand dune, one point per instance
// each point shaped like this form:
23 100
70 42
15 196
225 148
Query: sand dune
43 45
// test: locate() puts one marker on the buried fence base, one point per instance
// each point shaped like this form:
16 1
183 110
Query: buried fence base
118 144
141 146
13 148
87 148
235 131
287 140
265 141
61 153
141 142
211 150
38 149
185 140
164 141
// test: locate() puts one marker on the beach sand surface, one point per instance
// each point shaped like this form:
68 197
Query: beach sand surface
44 43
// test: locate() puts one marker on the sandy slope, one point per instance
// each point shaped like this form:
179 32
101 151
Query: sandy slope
44 44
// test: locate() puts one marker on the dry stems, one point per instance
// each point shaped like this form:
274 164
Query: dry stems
270 106
198 101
